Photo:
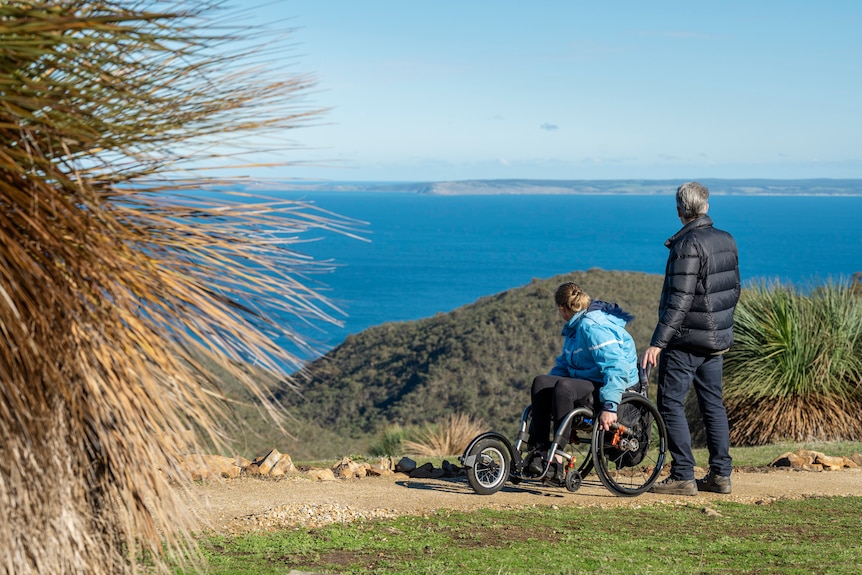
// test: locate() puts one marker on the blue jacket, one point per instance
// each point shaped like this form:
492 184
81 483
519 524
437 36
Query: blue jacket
598 348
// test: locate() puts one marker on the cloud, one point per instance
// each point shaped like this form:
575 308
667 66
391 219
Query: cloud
549 127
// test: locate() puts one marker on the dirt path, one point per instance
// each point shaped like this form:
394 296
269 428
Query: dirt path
251 504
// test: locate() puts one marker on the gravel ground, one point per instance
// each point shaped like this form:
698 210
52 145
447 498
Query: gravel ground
247 504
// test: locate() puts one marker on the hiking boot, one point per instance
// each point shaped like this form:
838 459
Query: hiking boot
535 466
671 486
714 482
557 474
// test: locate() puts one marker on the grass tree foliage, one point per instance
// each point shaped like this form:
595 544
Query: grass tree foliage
795 370
447 437
111 290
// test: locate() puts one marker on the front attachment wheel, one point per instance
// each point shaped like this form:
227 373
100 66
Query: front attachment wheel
573 480
491 466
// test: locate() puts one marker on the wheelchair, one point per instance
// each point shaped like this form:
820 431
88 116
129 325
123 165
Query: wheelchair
627 460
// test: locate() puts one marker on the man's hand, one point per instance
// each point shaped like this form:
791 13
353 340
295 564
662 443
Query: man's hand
650 357
606 419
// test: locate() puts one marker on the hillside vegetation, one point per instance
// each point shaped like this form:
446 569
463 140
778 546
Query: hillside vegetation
478 360
797 356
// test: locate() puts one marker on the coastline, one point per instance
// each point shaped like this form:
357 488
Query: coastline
822 187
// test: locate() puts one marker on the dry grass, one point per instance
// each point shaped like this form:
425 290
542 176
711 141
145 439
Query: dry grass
116 293
448 437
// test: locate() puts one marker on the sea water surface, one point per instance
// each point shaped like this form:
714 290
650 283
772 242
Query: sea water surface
429 254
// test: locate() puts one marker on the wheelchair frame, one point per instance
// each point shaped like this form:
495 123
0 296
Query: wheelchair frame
491 459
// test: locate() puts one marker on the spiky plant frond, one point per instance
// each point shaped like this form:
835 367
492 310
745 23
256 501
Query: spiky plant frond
117 292
795 370
447 437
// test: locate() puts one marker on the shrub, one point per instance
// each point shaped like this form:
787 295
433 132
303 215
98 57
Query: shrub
116 290
795 370
390 442
448 437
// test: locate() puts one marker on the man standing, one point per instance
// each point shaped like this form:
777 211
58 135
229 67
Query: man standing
695 327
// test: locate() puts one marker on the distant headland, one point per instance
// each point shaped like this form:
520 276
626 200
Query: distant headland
737 187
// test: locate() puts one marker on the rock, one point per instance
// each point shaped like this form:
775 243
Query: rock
348 469
203 467
383 467
283 466
797 461
375 471
830 463
425 471
321 474
802 460
809 456
274 464
265 463
808 460
450 470
405 465
708 511
788 459
277 464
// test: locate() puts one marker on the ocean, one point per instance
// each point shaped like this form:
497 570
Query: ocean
429 254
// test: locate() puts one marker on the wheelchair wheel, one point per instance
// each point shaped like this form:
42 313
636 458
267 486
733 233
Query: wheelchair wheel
491 468
630 460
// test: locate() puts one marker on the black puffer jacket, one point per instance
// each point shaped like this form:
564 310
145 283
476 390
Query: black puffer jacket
701 288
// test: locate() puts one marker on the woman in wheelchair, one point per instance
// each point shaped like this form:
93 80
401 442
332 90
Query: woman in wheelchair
623 438
597 364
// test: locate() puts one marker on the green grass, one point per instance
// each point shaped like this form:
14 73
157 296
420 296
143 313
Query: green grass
819 535
816 535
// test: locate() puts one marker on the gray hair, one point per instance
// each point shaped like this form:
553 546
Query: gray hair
691 199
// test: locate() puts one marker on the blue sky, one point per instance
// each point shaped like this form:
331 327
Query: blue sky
446 90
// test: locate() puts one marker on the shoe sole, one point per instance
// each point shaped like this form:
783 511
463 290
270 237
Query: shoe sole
661 489
688 493
714 490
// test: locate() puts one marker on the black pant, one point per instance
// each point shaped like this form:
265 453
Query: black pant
554 396
677 371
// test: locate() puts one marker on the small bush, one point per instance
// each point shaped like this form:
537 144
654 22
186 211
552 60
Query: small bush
449 437
795 370
389 443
